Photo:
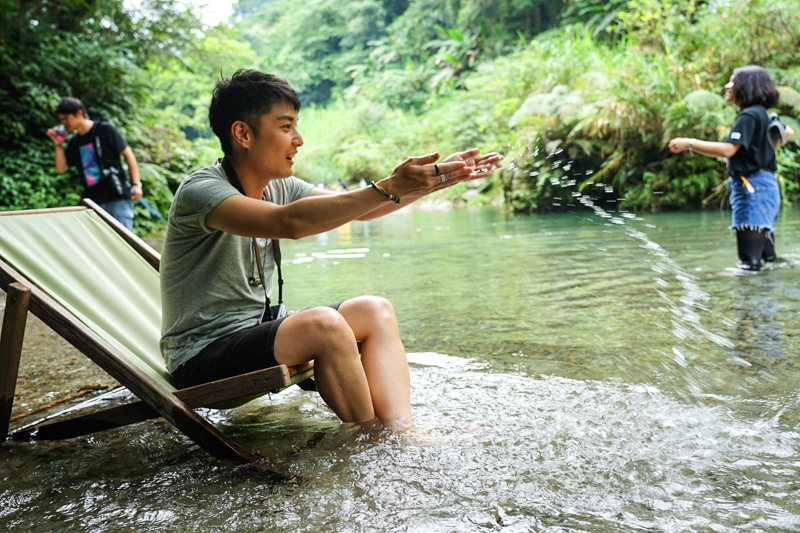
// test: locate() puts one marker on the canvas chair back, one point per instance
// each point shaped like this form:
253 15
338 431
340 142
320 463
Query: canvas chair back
80 261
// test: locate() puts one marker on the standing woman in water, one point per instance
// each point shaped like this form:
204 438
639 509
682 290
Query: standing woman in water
755 195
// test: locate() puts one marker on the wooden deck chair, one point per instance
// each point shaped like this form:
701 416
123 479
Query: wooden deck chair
96 284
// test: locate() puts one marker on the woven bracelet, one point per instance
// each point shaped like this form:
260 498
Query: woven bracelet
390 196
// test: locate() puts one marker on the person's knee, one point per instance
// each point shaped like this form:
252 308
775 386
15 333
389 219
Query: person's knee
329 328
377 307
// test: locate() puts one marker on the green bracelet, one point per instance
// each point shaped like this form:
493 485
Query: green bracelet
392 197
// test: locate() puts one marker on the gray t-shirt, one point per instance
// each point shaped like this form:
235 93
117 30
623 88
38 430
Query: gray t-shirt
206 274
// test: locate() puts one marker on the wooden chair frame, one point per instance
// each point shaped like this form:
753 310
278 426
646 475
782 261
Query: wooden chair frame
154 399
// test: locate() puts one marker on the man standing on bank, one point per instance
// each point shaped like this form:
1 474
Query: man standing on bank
214 320
95 151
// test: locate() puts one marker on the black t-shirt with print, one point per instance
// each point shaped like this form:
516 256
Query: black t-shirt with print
755 151
82 153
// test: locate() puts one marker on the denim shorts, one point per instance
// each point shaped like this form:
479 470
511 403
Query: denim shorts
757 210
122 210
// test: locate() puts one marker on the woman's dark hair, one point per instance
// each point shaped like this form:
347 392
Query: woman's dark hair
246 96
70 106
752 85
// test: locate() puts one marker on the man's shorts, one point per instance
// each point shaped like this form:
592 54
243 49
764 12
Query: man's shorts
240 352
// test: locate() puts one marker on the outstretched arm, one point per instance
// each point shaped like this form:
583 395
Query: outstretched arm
250 217
707 148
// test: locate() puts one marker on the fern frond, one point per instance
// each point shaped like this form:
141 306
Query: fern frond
789 98
611 165
700 101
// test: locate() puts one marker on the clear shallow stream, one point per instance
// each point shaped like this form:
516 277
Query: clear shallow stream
577 372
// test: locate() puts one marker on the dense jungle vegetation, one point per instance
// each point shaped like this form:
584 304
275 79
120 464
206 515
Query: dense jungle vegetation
581 95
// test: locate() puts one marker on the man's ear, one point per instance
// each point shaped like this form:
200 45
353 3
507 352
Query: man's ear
241 134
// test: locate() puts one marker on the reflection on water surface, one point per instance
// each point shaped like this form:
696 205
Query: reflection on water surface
569 372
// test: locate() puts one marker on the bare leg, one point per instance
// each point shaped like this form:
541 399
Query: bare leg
322 334
383 357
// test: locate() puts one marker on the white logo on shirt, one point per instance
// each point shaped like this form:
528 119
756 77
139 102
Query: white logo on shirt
736 135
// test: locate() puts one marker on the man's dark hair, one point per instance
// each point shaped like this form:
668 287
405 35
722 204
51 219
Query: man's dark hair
70 106
752 85
246 96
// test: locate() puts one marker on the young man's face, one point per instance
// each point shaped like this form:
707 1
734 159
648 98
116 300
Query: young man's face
70 122
277 142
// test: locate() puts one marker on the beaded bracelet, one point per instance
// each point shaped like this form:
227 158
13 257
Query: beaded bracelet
390 196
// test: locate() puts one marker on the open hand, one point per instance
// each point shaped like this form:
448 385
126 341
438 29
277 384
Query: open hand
481 166
418 176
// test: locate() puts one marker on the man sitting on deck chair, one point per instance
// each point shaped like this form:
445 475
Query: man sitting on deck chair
214 323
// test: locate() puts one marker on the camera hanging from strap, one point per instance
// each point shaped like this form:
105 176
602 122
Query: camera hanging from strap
280 310
111 173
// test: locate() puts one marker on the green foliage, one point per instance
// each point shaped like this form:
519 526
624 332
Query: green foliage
150 72
573 112
612 105
180 89
311 44
700 114
600 16
400 52
28 180
584 108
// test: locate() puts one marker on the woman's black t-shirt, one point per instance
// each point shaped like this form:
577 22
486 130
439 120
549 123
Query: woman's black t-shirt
755 151
82 153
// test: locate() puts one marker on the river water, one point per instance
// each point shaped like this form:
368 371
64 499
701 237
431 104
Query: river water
585 371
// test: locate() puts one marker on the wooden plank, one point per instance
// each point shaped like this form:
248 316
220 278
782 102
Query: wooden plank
43 211
235 387
113 417
144 249
302 368
158 398
204 395
13 332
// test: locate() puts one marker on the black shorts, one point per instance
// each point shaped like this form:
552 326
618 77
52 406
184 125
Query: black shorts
240 352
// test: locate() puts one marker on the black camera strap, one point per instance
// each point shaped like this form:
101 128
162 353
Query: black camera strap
276 246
